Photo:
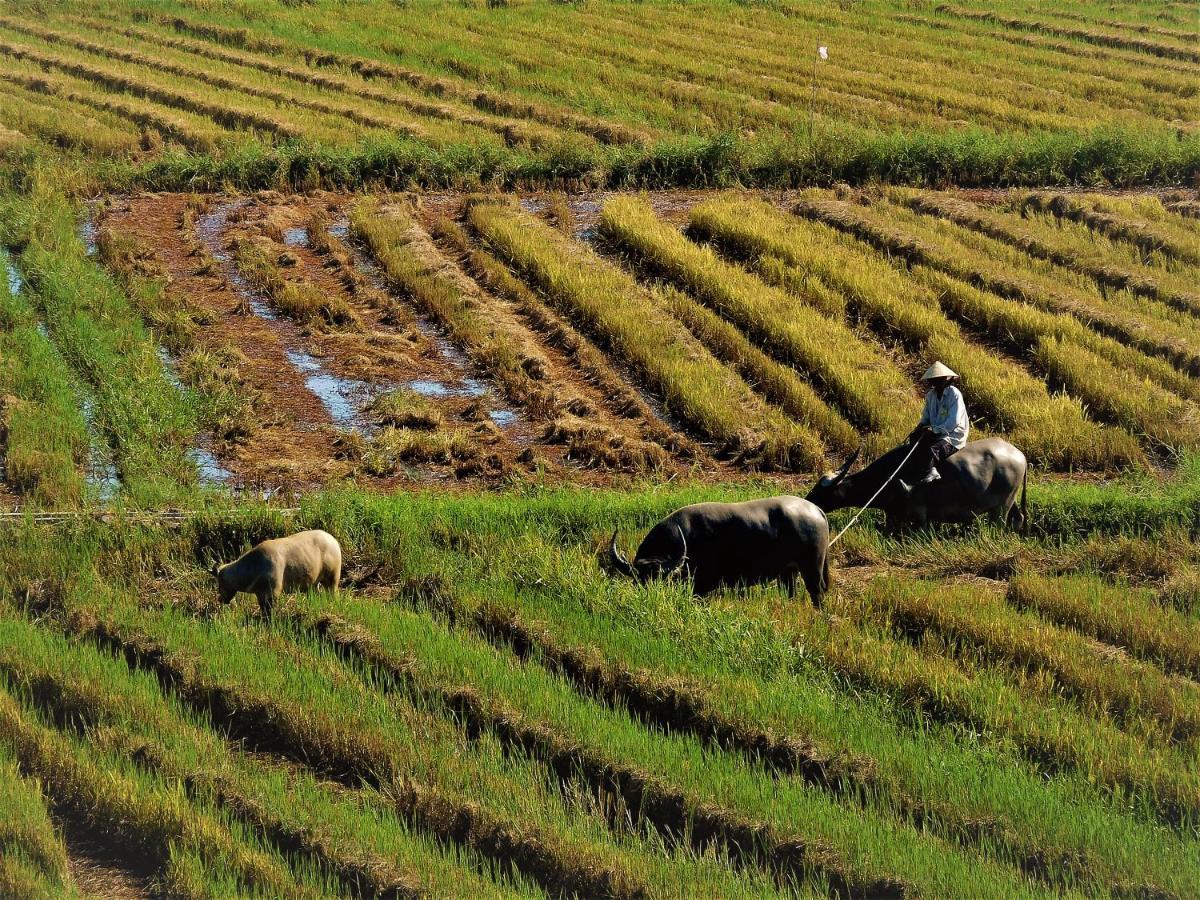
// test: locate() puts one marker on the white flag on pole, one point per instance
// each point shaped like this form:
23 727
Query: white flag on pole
823 52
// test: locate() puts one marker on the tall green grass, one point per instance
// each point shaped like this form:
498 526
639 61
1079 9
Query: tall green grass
1138 697
33 860
860 849
757 661
1141 505
613 96
358 838
540 552
45 439
143 811
139 412
293 699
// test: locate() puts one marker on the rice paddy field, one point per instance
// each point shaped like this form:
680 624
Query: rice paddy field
471 286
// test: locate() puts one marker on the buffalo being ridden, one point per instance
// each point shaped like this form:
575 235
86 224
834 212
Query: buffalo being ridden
981 479
957 481
732 544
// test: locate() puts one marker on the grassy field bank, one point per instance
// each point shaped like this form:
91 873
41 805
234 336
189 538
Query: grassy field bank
258 94
479 650
381 269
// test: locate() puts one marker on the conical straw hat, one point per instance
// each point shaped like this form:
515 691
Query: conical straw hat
938 370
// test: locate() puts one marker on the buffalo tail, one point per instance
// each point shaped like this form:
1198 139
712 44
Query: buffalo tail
1024 503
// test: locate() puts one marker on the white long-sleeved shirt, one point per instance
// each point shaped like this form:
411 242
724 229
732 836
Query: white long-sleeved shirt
947 416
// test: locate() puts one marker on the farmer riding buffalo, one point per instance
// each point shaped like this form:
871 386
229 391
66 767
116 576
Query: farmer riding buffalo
945 478
943 428
935 476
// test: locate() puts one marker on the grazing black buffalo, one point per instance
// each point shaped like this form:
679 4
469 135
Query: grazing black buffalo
981 479
728 544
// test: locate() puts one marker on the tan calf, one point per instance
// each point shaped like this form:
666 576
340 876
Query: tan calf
294 563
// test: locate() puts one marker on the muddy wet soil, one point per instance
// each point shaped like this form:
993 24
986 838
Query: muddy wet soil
316 382
291 444
450 379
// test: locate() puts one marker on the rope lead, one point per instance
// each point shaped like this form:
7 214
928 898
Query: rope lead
867 505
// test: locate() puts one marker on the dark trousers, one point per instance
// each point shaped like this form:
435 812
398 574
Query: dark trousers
931 450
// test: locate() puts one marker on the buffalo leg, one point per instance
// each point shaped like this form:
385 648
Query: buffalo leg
789 579
1016 518
814 580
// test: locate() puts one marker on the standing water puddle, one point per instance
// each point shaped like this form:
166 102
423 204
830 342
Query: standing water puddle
101 474
208 467
296 237
210 227
431 387
343 398
15 282
87 228
457 362
169 369
14 287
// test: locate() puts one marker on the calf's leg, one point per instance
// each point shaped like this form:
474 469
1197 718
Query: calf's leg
269 590
330 578
266 600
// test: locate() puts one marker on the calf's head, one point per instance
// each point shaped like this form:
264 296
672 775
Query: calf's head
652 564
225 590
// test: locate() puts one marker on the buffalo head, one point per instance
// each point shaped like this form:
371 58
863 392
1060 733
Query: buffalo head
829 493
644 568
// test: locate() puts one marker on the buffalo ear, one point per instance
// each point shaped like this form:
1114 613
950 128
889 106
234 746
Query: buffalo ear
216 568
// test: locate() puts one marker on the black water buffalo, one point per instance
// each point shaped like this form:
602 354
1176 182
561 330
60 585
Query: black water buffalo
728 544
981 479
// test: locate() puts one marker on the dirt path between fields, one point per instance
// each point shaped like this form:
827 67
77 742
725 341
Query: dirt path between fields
98 863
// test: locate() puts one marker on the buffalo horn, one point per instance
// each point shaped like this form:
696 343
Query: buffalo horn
682 556
619 562
845 469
